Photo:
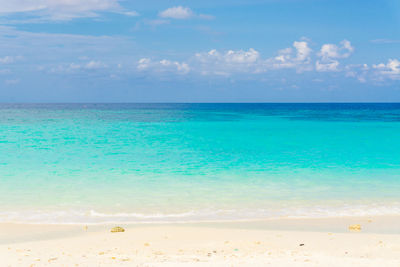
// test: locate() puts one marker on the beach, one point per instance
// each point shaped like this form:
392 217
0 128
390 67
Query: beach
199 133
283 242
199 184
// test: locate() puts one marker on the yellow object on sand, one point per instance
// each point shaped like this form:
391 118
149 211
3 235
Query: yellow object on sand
117 229
355 227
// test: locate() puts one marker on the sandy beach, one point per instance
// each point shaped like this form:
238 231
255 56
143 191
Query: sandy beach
283 242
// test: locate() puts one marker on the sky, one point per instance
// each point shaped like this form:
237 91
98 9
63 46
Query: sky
199 51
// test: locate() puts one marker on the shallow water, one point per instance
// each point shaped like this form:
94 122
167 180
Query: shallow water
76 163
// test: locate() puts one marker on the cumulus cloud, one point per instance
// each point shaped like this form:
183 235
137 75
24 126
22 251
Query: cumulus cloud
330 53
241 56
358 71
163 65
230 56
180 12
296 57
63 9
378 73
303 51
241 63
223 63
390 70
299 57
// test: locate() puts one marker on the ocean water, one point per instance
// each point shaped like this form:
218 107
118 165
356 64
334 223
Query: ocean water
97 163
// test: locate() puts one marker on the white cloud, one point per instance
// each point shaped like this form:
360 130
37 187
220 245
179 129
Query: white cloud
303 51
330 51
241 56
129 13
358 71
298 58
163 65
230 57
180 12
329 54
143 63
227 62
181 67
332 65
63 9
378 73
240 64
390 70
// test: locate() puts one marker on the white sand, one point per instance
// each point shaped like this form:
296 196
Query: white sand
268 243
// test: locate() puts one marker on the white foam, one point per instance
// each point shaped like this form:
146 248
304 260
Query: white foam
201 215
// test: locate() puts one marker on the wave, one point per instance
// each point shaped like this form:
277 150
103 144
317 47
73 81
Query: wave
76 216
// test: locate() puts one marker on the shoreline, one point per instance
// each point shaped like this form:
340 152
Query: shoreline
288 223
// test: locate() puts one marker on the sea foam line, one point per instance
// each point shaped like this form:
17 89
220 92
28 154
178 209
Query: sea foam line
205 215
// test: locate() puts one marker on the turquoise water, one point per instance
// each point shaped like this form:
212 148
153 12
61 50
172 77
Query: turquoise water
95 163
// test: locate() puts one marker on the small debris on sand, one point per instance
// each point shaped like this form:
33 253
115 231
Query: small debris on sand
52 259
117 230
355 227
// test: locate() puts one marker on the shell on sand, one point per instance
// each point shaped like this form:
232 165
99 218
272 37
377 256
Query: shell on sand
117 229
355 227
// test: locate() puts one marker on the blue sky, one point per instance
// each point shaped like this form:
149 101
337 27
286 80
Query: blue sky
199 51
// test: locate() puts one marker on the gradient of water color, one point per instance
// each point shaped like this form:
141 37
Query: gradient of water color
94 163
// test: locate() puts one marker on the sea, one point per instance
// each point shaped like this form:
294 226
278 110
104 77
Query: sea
162 163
